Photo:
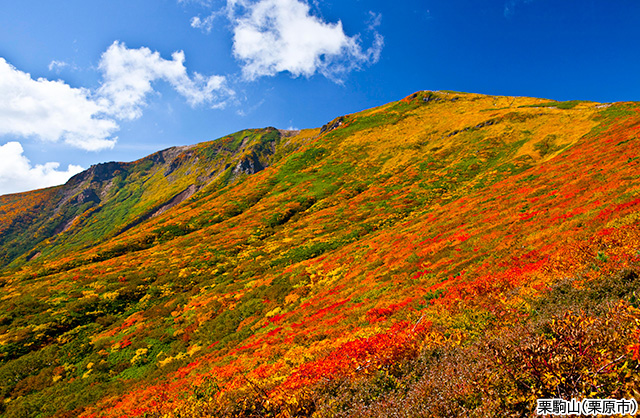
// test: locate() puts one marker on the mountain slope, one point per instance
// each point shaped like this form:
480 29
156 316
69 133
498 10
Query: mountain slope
109 198
254 272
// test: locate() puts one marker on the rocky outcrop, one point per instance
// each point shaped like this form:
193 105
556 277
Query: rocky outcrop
85 196
332 125
472 128
248 164
97 173
173 158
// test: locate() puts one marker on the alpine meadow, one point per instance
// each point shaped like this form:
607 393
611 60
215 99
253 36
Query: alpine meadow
446 255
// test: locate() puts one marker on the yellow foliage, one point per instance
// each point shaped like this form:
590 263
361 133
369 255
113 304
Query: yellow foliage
275 311
110 295
194 349
139 356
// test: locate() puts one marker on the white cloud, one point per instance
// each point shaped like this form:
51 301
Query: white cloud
273 36
54 111
57 66
51 111
206 24
17 174
128 74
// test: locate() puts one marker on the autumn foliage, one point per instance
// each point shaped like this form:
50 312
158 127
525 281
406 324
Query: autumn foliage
446 255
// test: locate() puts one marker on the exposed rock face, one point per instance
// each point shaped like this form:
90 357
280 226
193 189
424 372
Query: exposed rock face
87 195
97 173
174 157
332 125
33 256
181 197
469 128
249 164
431 98
90 185
156 158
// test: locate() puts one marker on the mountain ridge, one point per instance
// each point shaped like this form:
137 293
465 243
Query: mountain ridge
89 191
293 264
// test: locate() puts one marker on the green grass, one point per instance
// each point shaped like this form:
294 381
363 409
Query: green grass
559 105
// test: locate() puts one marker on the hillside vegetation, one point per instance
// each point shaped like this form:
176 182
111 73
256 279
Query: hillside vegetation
448 254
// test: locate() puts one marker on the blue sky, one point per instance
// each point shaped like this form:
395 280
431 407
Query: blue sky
83 82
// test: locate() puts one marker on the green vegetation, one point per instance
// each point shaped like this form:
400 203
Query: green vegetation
558 105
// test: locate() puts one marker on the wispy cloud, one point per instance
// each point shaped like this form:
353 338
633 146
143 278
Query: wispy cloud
204 24
18 174
205 3
57 65
250 110
375 20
